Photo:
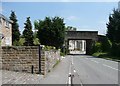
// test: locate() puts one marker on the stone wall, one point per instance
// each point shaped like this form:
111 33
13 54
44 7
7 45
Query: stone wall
0 57
22 58
51 59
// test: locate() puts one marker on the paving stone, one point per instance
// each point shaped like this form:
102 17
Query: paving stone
10 77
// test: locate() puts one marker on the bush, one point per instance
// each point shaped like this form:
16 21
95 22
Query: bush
36 41
21 41
16 43
96 47
115 50
105 45
62 54
48 47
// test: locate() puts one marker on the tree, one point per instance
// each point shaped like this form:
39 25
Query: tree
113 32
15 28
28 33
51 31
105 43
113 27
70 28
35 39
58 27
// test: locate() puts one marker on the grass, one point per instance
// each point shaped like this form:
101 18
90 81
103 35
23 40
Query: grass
106 56
57 62
97 54
62 54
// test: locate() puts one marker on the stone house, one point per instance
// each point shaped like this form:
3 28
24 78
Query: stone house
5 31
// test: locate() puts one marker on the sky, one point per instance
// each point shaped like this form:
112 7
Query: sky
85 16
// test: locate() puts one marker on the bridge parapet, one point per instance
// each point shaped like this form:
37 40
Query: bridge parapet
81 35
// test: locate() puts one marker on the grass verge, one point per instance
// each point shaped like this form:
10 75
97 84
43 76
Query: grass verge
106 56
57 62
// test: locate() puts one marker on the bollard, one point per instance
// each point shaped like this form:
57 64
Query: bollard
32 67
70 79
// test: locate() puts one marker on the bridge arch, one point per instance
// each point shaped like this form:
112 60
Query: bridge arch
90 37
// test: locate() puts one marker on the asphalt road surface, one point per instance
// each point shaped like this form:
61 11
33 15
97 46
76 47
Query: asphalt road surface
91 70
85 71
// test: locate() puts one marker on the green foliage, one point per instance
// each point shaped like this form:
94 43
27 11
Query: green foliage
97 47
105 43
28 33
57 62
70 28
113 27
113 32
106 56
36 41
48 47
15 28
21 41
51 31
115 50
98 54
16 43
111 43
62 54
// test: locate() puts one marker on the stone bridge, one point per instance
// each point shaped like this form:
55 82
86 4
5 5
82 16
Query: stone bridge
89 38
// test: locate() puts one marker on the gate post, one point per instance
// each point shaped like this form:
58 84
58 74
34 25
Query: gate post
40 59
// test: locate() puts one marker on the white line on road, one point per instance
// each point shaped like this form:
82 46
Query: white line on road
110 67
74 70
95 61
106 60
72 60
70 69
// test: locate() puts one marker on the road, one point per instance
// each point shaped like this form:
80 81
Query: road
91 70
86 70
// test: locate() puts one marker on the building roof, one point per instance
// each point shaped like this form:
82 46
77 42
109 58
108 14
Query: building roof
2 16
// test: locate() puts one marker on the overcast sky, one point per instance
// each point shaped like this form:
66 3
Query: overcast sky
82 15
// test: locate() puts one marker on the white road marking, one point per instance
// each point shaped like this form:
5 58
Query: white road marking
69 78
72 60
95 61
110 67
74 70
